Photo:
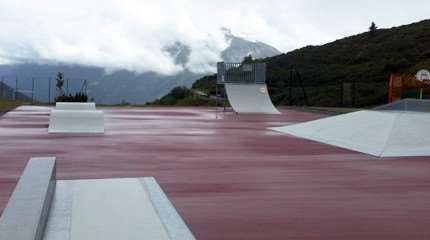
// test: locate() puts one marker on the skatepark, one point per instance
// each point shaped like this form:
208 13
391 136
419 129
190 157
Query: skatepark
226 175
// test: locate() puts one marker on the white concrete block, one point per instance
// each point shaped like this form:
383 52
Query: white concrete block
74 121
75 106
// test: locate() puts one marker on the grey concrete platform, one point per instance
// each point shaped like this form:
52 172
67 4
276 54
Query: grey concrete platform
43 208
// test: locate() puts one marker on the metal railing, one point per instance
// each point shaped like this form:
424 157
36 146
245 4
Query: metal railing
244 73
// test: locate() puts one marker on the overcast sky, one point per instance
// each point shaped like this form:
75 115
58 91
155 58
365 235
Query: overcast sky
131 34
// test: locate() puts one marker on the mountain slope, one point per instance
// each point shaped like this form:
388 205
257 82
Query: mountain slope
359 64
240 47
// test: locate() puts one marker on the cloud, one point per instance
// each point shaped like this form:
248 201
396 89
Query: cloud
133 34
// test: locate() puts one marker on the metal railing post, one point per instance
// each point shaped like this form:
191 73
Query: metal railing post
32 90
2 87
16 89
49 90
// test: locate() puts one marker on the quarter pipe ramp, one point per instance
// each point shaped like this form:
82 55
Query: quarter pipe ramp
250 98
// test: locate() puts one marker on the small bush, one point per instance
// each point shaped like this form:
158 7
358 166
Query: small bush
78 97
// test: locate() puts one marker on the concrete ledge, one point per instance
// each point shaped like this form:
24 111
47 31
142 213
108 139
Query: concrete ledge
26 213
74 121
75 106
175 226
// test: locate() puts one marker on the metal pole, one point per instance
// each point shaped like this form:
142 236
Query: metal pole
341 93
353 93
16 88
2 86
32 90
49 90
67 86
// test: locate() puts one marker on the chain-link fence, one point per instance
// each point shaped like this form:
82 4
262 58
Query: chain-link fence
37 89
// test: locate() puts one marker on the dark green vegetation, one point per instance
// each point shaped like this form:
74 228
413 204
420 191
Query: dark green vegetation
353 71
7 105
182 96
62 97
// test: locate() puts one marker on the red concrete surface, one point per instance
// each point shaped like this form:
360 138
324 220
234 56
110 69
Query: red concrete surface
230 178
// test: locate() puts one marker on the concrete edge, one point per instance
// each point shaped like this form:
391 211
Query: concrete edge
27 211
172 221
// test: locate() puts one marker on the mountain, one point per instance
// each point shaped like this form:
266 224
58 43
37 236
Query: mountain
240 47
353 71
124 86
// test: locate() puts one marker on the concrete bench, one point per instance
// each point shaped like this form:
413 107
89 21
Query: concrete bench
26 213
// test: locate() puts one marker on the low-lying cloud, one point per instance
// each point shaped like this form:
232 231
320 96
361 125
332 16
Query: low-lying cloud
133 34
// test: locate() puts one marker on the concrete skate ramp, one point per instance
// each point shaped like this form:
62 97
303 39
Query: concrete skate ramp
75 106
109 209
76 121
378 133
250 98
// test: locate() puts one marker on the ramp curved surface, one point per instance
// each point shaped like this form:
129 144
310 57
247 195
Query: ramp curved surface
378 133
250 98
74 121
75 106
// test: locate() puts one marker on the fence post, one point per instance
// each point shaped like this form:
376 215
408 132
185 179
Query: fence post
290 87
16 89
32 90
49 90
67 86
2 87
341 93
353 90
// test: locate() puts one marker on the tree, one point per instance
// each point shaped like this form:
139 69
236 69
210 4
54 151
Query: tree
372 29
60 83
247 59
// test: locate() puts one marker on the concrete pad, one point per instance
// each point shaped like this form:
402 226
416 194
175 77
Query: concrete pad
250 98
75 106
74 121
129 208
378 133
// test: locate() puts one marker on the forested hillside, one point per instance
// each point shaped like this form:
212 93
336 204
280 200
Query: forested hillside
353 71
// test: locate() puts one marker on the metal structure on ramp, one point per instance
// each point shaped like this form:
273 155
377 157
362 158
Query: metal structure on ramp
245 86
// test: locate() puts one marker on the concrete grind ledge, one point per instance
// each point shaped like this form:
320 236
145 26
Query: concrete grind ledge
27 210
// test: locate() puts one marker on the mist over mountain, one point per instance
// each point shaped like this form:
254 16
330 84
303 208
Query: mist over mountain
122 86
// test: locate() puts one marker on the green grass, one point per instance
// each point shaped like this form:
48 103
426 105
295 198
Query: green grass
7 105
